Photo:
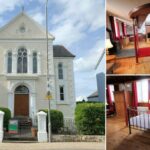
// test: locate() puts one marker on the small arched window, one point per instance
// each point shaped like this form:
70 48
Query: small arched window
22 61
34 62
22 90
60 71
9 62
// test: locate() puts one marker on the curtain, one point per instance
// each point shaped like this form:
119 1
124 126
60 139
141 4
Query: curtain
135 96
124 30
109 97
112 21
118 29
149 93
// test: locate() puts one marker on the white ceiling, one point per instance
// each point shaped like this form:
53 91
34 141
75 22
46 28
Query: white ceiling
121 8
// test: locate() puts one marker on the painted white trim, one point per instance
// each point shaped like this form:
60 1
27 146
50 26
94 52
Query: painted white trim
30 64
14 62
39 63
43 30
32 97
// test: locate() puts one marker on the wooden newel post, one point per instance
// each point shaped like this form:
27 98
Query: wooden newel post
42 133
1 126
135 39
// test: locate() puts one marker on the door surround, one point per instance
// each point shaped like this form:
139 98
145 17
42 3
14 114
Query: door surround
21 101
30 84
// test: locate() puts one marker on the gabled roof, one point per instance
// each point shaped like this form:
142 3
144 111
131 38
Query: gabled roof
95 94
11 29
61 51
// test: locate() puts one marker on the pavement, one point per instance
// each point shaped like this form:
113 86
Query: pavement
52 146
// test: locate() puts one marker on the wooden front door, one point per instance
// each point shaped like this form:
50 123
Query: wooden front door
21 105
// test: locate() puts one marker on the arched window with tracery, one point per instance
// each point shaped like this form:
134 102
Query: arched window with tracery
9 62
22 65
34 62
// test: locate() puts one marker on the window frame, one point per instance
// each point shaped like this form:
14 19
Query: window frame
9 60
61 93
34 71
60 71
22 66
142 86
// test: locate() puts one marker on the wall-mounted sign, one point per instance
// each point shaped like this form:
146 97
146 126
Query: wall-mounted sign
49 96
13 126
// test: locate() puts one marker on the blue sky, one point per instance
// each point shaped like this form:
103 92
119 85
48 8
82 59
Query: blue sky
79 25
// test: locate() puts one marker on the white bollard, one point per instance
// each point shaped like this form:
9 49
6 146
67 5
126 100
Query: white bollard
42 133
1 126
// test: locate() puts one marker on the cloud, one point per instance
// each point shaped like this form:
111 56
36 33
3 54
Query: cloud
67 34
85 84
76 19
39 17
89 12
88 62
8 5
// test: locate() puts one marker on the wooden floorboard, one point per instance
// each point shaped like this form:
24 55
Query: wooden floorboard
118 137
129 66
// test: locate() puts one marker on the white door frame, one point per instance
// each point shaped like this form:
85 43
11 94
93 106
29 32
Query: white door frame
32 98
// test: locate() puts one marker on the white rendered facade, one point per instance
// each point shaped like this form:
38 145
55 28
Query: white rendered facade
32 38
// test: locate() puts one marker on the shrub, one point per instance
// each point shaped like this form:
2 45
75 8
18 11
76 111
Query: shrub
90 118
57 120
7 116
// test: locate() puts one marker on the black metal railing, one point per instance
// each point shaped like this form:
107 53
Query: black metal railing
138 119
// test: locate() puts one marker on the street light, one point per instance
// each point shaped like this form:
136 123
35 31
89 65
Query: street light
48 78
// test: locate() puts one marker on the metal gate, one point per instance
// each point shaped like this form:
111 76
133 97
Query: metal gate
20 128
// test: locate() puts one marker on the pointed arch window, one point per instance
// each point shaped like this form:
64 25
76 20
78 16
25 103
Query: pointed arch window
60 71
34 62
9 62
22 66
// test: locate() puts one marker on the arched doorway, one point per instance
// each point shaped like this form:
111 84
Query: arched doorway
21 101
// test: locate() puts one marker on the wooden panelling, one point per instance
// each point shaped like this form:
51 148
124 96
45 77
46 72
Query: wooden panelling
123 99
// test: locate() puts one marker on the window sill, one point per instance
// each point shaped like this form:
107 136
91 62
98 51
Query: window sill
62 102
22 76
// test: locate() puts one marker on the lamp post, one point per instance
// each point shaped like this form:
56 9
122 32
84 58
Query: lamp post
48 77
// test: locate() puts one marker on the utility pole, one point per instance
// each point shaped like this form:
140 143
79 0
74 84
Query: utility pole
48 77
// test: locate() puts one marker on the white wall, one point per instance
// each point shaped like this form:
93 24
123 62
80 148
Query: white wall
68 105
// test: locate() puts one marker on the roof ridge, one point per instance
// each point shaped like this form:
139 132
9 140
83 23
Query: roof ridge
30 18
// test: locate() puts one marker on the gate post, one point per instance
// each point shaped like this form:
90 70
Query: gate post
42 133
1 126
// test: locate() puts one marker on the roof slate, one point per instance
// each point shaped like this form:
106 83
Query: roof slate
61 51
